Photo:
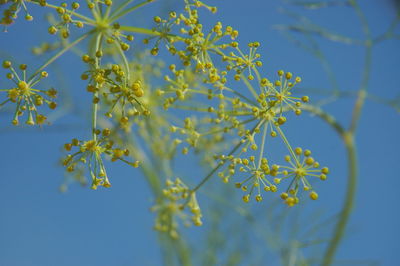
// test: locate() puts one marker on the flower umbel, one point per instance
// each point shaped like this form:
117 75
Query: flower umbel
170 207
26 96
91 153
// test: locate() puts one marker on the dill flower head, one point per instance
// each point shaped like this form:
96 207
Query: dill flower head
170 208
301 168
115 88
91 153
26 96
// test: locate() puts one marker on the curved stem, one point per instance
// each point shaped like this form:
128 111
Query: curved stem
348 203
348 139
362 92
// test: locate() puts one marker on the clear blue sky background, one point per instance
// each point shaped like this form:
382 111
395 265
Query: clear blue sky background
40 226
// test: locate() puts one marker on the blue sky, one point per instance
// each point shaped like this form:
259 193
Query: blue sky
40 226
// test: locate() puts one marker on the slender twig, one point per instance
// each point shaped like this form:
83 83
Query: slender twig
129 10
121 7
221 163
60 53
95 95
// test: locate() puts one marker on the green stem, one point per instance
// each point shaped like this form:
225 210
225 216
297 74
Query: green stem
125 60
248 85
127 11
220 164
264 136
108 10
212 172
95 94
121 7
97 11
60 53
348 203
244 98
287 144
93 10
140 30
183 251
348 139
362 92
223 129
4 102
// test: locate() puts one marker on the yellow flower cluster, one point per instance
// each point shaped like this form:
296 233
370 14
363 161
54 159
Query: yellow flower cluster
175 198
261 175
12 9
91 153
26 96
66 20
114 87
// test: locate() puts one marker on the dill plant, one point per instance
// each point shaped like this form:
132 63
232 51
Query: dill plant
231 110
212 56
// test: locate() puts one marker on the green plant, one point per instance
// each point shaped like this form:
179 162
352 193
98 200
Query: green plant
146 115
